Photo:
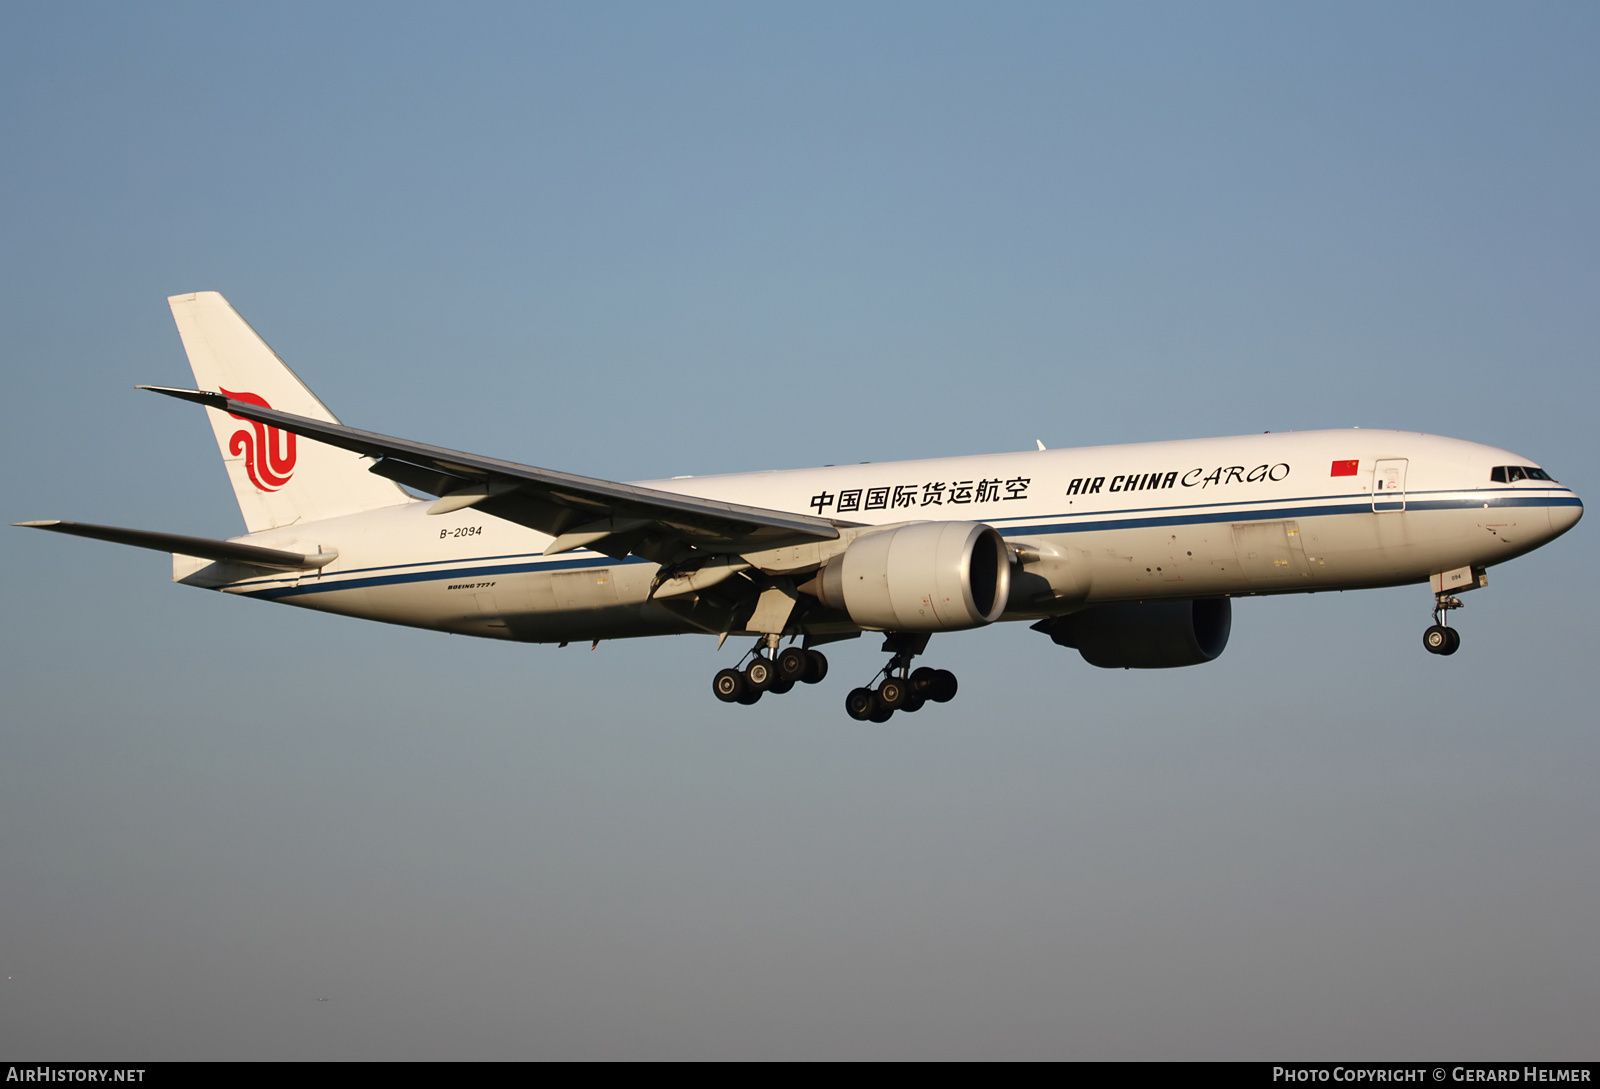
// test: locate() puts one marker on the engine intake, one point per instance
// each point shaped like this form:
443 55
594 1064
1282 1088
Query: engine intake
1151 635
927 576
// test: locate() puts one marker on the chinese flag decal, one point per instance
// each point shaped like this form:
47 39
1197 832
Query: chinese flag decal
1345 468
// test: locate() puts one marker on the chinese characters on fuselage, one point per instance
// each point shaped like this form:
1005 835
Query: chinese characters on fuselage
940 493
936 493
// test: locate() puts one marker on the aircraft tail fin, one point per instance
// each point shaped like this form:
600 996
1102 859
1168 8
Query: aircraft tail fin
278 478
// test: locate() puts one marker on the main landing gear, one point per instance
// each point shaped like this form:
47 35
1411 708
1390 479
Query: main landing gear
776 674
902 689
767 669
1440 638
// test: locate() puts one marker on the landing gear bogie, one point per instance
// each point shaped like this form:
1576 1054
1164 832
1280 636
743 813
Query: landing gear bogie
898 686
902 688
777 673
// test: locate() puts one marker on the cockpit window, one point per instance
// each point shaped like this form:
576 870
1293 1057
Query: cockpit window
1510 474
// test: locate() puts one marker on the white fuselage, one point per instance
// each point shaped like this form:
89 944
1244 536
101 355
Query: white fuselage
1271 513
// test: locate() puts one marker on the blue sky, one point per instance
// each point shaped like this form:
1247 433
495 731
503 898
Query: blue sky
638 240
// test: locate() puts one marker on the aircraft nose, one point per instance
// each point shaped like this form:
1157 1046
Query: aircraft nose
1564 517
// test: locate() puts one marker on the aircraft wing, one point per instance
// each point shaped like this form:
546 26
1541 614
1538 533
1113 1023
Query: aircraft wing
579 512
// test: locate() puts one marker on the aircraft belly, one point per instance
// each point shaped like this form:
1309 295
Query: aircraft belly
422 604
1337 551
1167 561
357 602
583 589
627 621
1141 563
1385 548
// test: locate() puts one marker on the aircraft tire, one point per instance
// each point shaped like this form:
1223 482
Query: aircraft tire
1454 643
861 704
892 693
1436 639
922 679
944 686
793 664
816 667
760 674
882 714
749 695
780 686
913 703
728 685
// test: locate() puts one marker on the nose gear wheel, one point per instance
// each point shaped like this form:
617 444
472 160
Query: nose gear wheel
1440 638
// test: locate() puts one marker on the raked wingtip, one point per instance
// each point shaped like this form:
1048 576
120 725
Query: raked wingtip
199 397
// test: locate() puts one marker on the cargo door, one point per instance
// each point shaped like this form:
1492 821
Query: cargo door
1269 551
489 608
585 588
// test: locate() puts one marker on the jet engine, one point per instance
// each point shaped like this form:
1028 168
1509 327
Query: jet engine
1151 635
927 576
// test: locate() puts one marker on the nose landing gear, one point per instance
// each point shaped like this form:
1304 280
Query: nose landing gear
1440 638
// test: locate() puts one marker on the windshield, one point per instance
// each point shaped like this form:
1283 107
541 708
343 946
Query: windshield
1510 474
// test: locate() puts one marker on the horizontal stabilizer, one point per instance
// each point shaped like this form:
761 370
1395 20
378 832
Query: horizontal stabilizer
203 547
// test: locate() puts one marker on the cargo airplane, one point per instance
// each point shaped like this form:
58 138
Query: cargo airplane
1129 554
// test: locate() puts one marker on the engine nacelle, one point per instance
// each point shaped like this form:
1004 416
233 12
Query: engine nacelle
927 576
1152 635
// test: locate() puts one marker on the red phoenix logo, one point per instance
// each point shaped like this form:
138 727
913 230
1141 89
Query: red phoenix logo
268 452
